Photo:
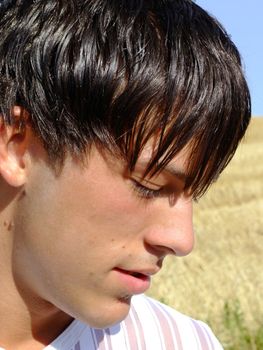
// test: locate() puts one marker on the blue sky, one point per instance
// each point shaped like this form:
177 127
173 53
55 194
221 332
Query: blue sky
243 20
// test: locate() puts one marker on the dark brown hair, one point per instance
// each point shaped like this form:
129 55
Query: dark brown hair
118 72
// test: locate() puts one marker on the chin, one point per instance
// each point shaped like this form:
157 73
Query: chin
108 316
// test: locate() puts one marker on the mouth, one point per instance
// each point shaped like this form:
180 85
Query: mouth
135 274
134 282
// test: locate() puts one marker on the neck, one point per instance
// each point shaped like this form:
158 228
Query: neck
25 325
27 321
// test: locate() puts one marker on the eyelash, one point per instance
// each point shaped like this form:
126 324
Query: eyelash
145 192
149 193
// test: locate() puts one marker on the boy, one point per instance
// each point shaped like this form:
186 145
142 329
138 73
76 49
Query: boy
115 115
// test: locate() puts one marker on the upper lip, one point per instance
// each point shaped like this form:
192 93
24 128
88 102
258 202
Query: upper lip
145 271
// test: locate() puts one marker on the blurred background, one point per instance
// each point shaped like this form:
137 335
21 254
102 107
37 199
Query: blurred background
221 281
243 21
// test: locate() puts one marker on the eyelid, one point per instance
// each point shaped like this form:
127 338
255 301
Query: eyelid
164 191
159 186
144 191
146 182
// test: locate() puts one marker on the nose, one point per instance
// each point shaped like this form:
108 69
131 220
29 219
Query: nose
171 230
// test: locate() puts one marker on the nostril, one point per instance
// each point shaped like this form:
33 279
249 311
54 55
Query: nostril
173 237
161 251
166 250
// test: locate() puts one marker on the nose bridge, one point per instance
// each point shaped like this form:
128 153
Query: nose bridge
171 229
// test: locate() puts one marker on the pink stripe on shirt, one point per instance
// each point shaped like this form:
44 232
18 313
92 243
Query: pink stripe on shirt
168 327
134 329
201 338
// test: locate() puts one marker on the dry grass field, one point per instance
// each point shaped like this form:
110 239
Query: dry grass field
221 281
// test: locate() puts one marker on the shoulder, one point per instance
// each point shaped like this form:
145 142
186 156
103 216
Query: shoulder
167 328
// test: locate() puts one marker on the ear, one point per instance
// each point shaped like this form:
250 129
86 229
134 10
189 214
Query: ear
14 141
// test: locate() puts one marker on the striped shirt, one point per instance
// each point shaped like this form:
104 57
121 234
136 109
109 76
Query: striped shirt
149 325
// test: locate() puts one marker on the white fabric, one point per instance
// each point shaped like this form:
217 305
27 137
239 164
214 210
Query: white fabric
149 325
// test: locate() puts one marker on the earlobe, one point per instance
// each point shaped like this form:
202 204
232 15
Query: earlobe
14 139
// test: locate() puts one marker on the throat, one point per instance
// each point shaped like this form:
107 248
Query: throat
24 330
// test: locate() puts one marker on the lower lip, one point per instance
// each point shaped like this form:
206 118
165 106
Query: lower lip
133 285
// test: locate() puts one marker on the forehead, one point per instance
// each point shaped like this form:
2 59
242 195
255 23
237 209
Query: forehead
181 159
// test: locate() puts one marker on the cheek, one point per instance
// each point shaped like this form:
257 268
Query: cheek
108 207
78 216
79 213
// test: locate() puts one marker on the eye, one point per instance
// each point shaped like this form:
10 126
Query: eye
147 192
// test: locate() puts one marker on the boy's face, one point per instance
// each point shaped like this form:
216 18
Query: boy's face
79 236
